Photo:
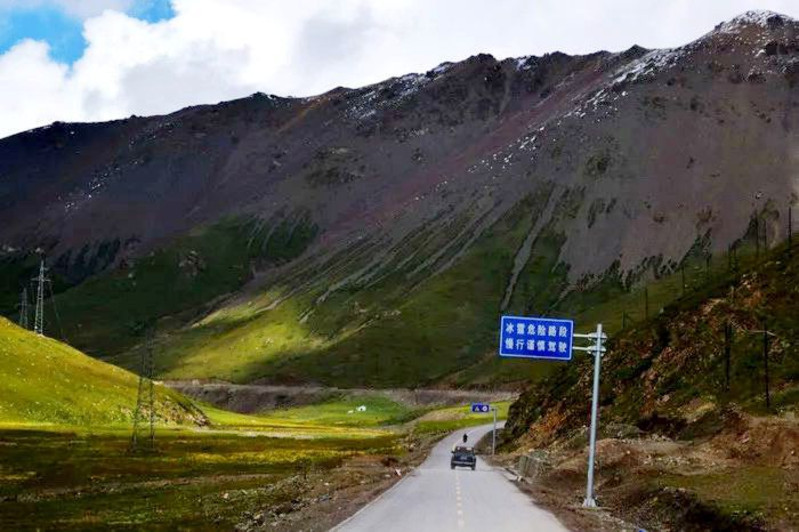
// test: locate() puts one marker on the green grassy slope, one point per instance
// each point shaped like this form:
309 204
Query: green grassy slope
403 330
43 381
406 326
700 374
413 329
109 312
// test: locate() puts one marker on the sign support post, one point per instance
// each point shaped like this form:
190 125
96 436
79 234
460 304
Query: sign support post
552 339
484 408
494 434
589 501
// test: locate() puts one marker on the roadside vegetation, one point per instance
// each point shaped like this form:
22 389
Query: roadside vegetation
67 463
89 480
45 382
446 420
698 409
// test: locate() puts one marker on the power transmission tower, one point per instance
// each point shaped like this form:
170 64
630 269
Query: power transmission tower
38 319
24 312
145 399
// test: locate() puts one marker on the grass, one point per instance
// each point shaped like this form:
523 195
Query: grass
657 369
458 417
226 344
43 381
66 464
745 490
80 481
386 334
380 411
355 336
321 420
109 313
404 327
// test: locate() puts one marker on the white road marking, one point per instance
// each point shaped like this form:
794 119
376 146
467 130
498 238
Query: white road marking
421 501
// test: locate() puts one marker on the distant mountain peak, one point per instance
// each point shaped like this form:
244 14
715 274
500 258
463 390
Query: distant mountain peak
760 17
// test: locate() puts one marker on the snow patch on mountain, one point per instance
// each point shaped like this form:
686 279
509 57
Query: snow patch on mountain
763 18
393 92
649 64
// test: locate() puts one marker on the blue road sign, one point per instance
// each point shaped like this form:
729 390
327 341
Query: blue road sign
481 408
542 338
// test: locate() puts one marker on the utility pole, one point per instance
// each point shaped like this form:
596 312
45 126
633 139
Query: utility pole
729 258
765 362
757 237
766 333
145 399
38 320
682 273
151 398
24 312
727 352
494 433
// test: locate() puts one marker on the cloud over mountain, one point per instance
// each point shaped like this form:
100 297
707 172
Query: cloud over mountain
213 50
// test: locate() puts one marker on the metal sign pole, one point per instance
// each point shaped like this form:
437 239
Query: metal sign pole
494 434
589 501
553 339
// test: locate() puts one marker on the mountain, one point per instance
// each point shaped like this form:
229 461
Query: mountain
44 382
698 427
374 235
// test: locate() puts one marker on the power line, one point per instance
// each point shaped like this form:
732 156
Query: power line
55 311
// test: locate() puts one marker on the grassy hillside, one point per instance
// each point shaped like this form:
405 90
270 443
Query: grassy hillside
43 381
441 330
65 462
408 325
697 421
404 329
103 310
657 367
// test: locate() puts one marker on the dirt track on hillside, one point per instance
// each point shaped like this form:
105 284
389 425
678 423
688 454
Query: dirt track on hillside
250 398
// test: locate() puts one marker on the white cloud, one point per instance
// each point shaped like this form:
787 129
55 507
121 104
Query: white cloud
214 50
78 8
33 89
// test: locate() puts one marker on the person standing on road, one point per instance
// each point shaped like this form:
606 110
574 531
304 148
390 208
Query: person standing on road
465 437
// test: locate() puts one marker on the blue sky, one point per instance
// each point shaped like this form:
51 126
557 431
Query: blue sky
62 30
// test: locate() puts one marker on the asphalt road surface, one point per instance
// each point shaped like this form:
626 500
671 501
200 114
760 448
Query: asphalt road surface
436 499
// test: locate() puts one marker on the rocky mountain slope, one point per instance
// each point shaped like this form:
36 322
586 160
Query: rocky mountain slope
372 236
698 427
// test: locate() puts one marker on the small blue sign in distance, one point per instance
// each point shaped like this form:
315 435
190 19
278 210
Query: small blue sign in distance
541 338
481 408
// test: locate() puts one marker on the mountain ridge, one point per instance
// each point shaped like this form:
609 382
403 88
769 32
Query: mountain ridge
370 197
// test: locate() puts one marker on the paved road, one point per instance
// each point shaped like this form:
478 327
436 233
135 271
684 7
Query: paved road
436 499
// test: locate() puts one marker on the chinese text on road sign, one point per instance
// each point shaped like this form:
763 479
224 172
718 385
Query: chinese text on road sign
536 338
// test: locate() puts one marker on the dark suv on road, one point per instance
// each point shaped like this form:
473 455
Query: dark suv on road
463 456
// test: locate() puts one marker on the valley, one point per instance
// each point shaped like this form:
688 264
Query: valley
263 314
